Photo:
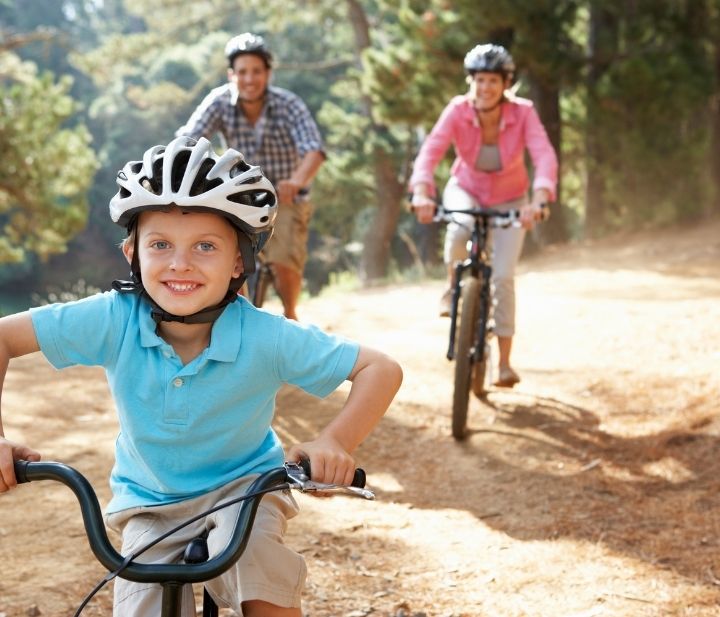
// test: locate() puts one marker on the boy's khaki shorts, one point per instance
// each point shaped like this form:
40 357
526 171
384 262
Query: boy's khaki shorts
288 244
267 570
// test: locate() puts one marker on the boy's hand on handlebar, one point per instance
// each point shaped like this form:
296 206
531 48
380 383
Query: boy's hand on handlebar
9 453
330 463
424 208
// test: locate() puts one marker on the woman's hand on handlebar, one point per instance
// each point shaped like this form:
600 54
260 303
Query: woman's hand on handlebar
330 463
536 210
9 453
424 207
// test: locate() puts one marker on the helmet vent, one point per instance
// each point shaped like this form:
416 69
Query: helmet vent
179 165
148 185
241 198
201 184
240 168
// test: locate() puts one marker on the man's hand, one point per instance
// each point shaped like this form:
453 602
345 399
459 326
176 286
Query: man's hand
287 190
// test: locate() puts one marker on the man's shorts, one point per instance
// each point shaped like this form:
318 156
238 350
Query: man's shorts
288 244
267 570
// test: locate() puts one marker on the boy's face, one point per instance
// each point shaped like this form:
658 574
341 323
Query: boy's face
186 259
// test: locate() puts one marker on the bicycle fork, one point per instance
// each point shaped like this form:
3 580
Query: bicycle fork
484 315
460 267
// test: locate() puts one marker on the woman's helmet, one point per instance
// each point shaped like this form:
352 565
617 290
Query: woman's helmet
189 174
247 43
489 58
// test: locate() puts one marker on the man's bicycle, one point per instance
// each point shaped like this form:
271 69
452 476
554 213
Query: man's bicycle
471 325
257 284
197 566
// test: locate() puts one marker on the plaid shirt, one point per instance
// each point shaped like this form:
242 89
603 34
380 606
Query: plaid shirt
283 135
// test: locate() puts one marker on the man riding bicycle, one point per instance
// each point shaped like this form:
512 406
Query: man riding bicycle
274 129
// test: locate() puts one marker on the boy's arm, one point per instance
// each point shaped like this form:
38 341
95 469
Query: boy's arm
17 338
375 380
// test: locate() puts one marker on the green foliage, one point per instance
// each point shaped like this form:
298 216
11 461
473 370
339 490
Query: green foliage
47 167
634 115
650 114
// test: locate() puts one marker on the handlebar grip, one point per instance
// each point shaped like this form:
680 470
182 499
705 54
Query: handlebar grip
358 480
21 471
545 211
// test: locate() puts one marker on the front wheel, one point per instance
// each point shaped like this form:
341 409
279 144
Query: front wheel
258 283
469 308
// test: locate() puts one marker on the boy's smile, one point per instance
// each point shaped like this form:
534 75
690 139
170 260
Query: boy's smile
187 259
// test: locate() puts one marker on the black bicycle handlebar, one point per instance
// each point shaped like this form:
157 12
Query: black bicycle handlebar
26 471
505 216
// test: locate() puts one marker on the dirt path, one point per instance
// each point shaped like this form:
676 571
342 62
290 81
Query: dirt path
589 490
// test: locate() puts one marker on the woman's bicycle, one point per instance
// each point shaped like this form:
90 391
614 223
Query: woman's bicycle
197 567
471 325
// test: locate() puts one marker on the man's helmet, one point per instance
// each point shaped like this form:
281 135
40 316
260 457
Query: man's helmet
247 43
489 58
189 174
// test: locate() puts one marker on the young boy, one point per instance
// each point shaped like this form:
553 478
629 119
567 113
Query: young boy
194 370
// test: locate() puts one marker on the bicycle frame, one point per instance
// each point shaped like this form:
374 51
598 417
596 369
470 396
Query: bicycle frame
476 264
257 283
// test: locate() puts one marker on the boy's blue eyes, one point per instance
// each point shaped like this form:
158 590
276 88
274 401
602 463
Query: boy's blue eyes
162 245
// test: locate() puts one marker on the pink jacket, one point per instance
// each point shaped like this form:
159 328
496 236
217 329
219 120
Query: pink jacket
520 128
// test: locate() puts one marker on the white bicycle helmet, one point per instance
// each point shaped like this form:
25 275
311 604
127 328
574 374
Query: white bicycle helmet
248 43
189 174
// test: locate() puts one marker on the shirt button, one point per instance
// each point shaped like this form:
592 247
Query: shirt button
177 382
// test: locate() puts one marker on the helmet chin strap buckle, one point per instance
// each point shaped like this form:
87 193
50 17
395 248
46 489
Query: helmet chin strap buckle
207 315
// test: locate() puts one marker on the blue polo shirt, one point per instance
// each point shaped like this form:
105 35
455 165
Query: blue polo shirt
186 430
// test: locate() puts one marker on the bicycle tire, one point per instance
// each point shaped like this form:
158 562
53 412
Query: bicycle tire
469 307
479 375
479 370
262 279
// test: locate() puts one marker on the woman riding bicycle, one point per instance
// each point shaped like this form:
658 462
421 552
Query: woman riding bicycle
490 128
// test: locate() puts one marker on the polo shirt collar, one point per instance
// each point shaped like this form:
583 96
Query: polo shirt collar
226 335
225 338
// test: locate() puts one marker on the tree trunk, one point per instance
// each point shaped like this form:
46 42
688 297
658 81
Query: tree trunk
547 99
715 139
602 42
388 189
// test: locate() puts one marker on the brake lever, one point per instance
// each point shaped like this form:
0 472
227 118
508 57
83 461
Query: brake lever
299 480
